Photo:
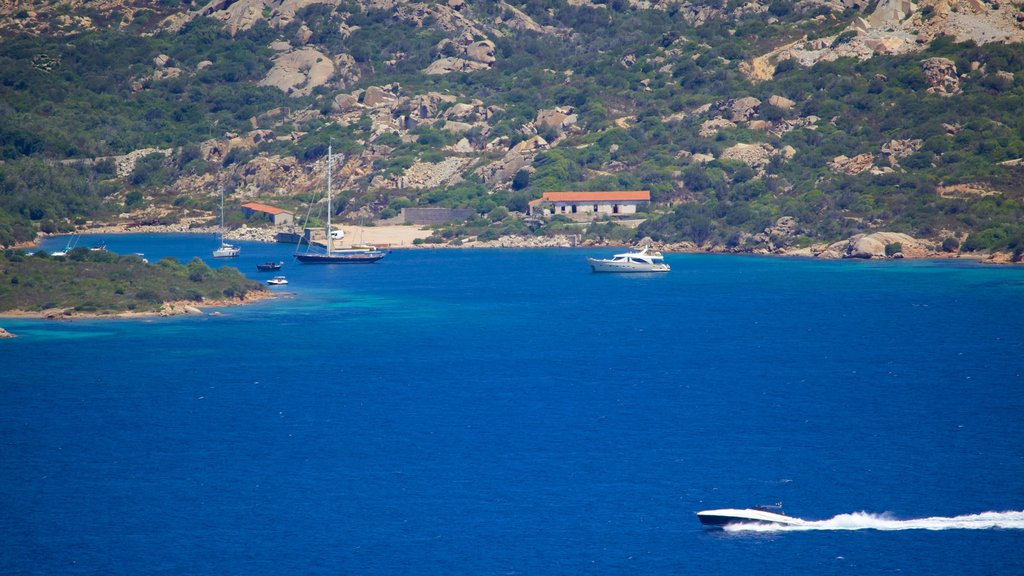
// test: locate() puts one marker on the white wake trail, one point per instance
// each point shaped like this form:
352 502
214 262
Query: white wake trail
1013 520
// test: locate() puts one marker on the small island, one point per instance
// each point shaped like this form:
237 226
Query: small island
87 283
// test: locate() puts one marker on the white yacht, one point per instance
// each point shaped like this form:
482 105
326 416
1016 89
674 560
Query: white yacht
755 515
225 250
72 242
643 261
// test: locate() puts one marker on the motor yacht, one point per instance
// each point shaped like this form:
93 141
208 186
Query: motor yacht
756 515
645 260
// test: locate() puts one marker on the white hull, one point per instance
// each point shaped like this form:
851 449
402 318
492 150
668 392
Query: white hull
726 516
599 265
227 251
642 261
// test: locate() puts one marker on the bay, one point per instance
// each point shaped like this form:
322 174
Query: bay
509 412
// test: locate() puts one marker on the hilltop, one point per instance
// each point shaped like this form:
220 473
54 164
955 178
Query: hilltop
766 127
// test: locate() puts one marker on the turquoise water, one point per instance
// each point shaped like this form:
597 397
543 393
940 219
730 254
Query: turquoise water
509 412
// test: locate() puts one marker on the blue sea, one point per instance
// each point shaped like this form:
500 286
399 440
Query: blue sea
509 412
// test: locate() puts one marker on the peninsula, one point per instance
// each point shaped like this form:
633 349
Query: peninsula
89 283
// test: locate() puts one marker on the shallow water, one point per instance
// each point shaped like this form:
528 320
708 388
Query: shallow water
508 411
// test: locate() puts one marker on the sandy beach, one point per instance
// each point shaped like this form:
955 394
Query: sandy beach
393 236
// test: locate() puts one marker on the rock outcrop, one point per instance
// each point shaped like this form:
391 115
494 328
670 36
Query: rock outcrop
427 175
778 235
450 64
300 71
781 102
856 165
743 109
899 27
557 119
941 76
873 246
756 156
711 127
124 165
896 150
178 309
500 172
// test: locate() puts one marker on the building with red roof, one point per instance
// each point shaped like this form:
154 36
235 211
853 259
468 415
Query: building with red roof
590 205
277 216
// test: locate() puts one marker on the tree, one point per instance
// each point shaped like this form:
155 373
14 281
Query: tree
521 179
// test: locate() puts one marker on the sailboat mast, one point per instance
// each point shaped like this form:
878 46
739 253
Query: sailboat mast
222 215
330 161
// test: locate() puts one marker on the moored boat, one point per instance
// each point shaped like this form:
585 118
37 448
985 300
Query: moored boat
643 261
269 266
72 242
277 281
225 250
357 254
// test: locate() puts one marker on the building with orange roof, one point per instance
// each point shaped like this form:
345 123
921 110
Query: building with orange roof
590 205
277 216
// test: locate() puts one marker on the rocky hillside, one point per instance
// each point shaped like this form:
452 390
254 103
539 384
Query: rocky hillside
758 126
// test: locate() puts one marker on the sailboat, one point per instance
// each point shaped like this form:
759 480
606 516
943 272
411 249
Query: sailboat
225 250
71 245
359 254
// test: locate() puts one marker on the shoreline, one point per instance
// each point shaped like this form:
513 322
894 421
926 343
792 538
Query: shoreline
167 309
395 236
401 237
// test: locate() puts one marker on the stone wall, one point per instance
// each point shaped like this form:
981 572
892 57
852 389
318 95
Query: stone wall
432 216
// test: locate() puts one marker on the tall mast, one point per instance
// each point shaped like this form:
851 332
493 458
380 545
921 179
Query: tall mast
330 161
222 215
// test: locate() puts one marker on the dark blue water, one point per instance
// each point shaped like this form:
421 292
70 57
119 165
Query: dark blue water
509 412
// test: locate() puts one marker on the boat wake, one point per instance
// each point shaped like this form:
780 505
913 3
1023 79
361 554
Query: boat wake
867 521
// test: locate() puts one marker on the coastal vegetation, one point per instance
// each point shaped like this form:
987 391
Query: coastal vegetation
640 84
101 282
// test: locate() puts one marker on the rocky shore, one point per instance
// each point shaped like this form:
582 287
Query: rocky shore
395 236
244 233
859 247
167 309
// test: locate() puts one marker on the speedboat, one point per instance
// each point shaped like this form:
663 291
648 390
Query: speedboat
277 281
756 515
642 261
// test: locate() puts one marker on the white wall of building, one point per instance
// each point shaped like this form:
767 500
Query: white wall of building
595 208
